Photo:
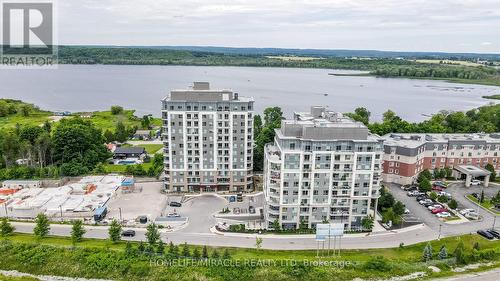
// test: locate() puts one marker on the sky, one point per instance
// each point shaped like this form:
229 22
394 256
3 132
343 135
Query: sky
393 25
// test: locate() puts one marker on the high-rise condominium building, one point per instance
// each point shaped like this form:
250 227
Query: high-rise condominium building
208 140
322 166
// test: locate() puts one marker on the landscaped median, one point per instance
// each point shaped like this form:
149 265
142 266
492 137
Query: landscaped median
139 261
486 204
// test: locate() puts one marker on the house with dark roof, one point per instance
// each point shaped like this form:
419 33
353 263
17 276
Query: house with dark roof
129 152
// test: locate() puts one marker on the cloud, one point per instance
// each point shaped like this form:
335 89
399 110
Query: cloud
357 24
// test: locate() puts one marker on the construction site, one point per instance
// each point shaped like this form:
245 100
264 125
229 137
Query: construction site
24 200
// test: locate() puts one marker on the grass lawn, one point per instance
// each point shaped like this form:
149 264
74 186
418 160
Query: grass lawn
107 121
406 253
11 278
93 258
35 118
486 204
110 168
152 148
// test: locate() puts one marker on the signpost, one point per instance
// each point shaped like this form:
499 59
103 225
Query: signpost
328 231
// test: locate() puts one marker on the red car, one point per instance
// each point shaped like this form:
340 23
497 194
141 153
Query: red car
439 210
437 188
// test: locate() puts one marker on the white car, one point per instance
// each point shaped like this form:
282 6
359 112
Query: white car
443 215
432 207
173 215
442 193
422 202
472 216
475 182
466 211
407 211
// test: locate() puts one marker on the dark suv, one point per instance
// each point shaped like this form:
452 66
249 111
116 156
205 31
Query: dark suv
175 204
128 233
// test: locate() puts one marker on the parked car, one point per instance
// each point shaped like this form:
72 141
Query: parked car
495 233
475 195
413 193
439 210
437 188
410 187
466 211
440 183
175 204
427 204
443 215
424 201
475 182
422 197
472 215
128 233
407 211
436 206
443 193
485 234
173 215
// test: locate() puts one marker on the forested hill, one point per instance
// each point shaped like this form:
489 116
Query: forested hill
464 71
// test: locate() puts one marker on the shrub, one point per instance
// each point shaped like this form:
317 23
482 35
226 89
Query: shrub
378 263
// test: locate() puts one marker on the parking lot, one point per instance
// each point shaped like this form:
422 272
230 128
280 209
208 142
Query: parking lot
458 192
146 200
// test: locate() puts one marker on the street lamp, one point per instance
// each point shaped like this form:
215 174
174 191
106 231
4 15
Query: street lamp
439 235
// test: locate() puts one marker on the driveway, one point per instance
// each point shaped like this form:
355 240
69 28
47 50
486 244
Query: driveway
458 191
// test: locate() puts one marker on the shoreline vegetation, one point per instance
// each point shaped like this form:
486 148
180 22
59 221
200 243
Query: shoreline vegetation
154 260
446 69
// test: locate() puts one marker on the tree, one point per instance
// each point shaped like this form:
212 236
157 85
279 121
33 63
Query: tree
25 110
427 255
141 248
367 223
442 199
424 174
258 243
129 251
196 254
115 110
42 227
160 248
115 231
481 197
476 246
386 200
152 234
443 253
257 125
77 231
6 229
204 252
459 252
226 255
121 133
424 185
390 215
493 173
215 254
276 225
399 208
109 136
146 122
453 204
361 114
433 195
185 250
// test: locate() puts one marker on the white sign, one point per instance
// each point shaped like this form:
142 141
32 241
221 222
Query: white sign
329 230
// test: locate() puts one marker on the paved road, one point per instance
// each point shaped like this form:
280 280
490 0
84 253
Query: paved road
457 190
481 276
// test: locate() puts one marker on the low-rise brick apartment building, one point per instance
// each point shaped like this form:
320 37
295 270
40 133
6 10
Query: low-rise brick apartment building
406 155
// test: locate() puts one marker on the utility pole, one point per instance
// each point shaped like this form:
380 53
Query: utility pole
60 208
120 209
494 221
439 235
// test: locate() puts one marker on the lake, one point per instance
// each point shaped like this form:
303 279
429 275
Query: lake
97 87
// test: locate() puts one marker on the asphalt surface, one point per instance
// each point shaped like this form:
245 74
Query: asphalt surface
458 192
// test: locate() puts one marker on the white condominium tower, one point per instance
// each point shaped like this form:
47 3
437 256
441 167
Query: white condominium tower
321 167
208 140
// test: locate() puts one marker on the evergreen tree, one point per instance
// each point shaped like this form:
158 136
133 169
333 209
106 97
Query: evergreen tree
160 249
204 252
476 246
443 253
226 254
129 251
196 254
115 231
459 252
427 255
6 229
77 231
185 251
42 227
152 234
215 254
141 248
